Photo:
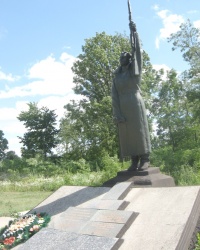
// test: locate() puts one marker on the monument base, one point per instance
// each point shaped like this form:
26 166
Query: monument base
152 177
119 218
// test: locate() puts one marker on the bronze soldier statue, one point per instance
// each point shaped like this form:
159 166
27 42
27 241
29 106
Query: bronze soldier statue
128 106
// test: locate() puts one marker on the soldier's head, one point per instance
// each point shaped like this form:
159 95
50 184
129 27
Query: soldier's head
125 58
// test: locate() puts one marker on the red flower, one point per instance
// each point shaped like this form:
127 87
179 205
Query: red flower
9 241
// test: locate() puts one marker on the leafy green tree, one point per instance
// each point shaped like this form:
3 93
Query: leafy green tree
3 145
87 130
172 113
88 133
41 135
187 39
11 155
177 108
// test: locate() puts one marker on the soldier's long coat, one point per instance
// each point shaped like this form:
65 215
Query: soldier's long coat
128 104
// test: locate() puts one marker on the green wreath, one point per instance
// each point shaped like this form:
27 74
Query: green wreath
21 229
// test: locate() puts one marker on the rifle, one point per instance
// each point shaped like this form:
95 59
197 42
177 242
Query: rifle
133 42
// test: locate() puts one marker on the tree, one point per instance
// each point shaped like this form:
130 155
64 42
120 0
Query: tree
11 155
177 105
87 130
187 39
3 145
172 113
41 135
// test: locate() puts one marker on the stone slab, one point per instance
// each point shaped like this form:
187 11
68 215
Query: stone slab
80 220
103 229
73 219
51 239
106 204
69 196
109 223
76 213
73 226
118 192
166 216
119 216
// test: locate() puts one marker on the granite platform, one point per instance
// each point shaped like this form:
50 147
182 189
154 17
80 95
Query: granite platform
120 217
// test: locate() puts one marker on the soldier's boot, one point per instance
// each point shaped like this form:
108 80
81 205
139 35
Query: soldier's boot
134 163
144 162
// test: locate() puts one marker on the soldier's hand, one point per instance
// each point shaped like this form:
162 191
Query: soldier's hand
132 26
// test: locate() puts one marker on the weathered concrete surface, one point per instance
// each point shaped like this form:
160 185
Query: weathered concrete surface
69 196
118 192
105 204
163 216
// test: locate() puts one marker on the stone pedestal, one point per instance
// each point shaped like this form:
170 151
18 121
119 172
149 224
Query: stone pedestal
147 178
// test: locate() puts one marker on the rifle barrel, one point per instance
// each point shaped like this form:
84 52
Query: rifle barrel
129 11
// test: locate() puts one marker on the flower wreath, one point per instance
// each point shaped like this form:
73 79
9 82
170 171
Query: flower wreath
21 229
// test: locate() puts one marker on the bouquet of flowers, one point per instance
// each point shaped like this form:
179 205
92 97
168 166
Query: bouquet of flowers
21 229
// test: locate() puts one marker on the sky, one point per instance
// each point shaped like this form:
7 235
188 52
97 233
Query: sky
41 39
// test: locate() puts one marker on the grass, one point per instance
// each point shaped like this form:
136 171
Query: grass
15 202
26 193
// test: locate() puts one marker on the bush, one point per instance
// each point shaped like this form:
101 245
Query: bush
182 165
38 175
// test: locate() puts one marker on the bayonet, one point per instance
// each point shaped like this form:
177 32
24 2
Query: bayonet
133 40
130 21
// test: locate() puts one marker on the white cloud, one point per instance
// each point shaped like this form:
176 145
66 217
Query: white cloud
7 77
57 103
164 67
171 23
16 146
49 77
161 66
7 114
12 127
197 24
155 7
21 106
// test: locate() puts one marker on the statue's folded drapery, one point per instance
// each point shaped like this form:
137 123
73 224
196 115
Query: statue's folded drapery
129 109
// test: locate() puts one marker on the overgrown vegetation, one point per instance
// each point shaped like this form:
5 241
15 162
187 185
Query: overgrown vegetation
39 175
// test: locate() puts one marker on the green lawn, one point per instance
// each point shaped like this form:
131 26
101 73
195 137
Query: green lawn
13 202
